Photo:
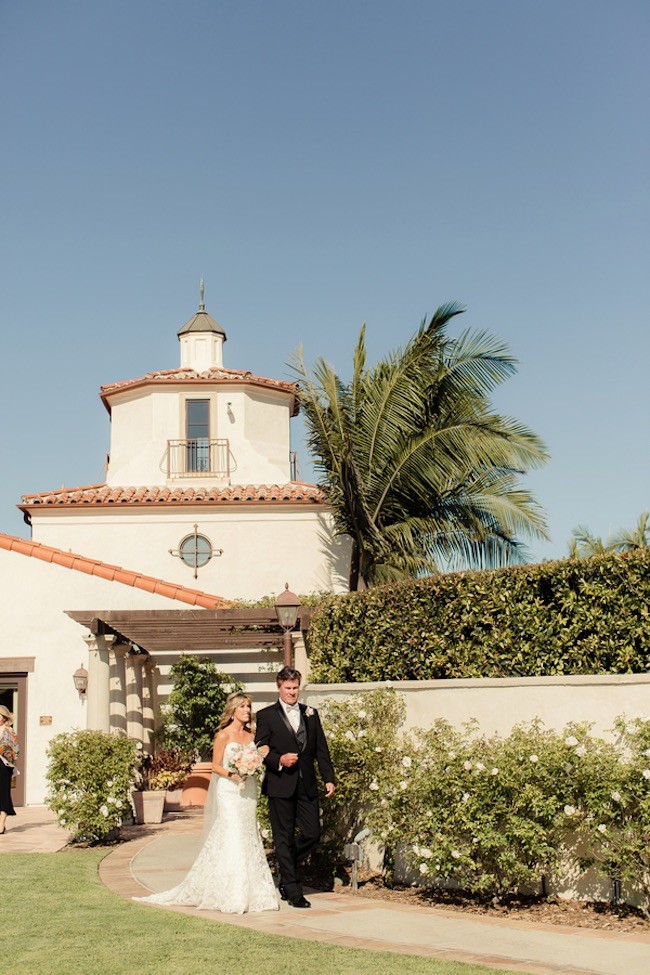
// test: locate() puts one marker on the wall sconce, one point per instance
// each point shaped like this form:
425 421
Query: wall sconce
80 678
231 415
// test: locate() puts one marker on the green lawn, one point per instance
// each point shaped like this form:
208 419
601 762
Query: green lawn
62 921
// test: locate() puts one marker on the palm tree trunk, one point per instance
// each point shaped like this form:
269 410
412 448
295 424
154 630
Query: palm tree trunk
355 561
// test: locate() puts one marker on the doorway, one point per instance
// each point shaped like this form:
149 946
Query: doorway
13 694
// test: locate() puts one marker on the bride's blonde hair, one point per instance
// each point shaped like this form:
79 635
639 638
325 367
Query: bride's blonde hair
232 703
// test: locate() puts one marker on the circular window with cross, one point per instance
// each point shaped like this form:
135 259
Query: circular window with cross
195 550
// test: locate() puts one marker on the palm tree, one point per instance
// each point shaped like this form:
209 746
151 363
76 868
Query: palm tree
583 543
633 538
418 468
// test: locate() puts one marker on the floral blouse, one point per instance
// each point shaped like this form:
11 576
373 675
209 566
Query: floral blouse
9 747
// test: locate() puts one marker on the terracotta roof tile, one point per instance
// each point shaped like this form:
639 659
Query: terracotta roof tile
226 377
296 492
114 573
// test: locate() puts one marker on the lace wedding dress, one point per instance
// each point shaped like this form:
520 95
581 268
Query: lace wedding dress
230 874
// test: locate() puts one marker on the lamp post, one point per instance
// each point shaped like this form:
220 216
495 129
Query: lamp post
286 609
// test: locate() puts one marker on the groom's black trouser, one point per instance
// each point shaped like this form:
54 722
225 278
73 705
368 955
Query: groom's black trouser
300 812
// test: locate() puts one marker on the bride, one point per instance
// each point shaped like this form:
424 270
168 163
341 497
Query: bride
230 874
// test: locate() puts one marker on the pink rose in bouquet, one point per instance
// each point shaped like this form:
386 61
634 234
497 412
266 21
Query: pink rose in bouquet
247 761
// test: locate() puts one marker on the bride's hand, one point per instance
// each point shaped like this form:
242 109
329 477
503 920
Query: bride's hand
264 750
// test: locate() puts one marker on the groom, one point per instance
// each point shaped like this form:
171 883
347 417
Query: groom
296 740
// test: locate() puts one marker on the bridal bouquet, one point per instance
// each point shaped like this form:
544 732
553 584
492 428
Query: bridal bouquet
247 761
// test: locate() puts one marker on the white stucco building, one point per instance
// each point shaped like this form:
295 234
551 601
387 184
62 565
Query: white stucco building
198 508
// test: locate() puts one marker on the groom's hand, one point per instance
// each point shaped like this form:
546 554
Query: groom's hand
288 759
329 789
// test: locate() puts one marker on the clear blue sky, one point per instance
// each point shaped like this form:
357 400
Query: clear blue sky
322 164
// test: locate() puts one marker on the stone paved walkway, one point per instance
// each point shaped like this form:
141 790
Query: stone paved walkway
158 856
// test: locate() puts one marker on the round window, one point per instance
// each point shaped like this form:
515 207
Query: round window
196 550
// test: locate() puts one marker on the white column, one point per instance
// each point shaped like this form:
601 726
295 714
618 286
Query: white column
98 695
148 704
134 727
118 688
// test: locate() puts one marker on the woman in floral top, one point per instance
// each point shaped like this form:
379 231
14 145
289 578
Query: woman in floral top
8 752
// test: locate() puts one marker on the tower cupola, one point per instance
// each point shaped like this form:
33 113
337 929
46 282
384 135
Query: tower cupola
201 340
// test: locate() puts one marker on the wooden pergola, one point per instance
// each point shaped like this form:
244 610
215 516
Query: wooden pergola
189 630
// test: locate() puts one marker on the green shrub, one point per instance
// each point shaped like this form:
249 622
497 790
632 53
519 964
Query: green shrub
196 702
486 813
362 735
616 807
90 776
584 616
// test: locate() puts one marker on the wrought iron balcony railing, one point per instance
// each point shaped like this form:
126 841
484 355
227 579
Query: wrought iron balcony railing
198 458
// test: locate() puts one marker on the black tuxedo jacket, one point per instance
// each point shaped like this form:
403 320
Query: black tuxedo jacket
274 730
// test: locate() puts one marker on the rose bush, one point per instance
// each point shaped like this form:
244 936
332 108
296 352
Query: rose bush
90 776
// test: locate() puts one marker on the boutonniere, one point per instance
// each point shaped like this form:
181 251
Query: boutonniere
309 712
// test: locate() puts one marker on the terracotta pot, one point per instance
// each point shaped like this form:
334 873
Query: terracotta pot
196 785
148 806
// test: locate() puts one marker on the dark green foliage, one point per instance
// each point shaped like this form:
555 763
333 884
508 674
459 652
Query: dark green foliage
588 616
195 705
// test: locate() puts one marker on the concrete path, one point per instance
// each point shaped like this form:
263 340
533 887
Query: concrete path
33 829
159 856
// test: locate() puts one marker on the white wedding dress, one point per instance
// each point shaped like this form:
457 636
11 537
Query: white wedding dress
231 873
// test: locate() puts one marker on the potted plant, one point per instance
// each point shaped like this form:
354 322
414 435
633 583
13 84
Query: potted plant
190 718
166 769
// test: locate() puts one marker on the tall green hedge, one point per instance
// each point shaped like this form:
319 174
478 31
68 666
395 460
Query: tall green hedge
576 616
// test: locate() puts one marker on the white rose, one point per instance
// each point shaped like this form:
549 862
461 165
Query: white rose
467 766
384 834
581 750
374 787
103 810
452 755
533 758
350 735
480 767
362 715
455 854
569 810
630 728
571 741
495 771
362 733
403 784
601 828
465 796
378 748
424 868
616 796
265 834
407 761
646 773
424 852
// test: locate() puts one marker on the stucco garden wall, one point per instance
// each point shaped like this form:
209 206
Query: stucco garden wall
499 703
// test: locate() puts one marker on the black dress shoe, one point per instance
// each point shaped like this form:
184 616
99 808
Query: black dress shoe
298 901
283 891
